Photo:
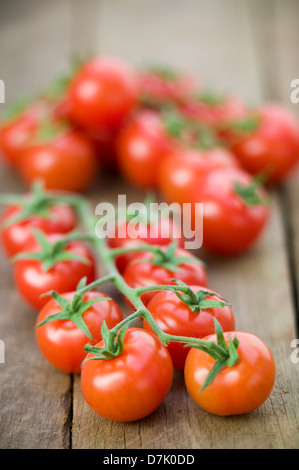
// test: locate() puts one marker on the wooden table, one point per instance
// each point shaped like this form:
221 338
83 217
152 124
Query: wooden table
245 47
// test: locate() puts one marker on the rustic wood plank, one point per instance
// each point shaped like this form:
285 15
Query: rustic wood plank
257 284
208 38
35 398
287 68
85 31
261 294
34 46
279 63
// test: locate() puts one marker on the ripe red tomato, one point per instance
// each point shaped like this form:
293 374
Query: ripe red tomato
102 94
66 163
31 280
62 342
180 171
160 233
231 223
174 317
17 133
141 146
132 385
140 273
62 219
273 148
237 389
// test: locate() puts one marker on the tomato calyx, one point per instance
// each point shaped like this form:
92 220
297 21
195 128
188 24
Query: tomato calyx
198 301
113 344
49 130
174 123
74 309
167 73
251 193
36 203
224 355
167 258
188 131
51 253
15 109
210 98
245 126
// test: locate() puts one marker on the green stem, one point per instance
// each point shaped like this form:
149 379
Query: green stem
98 282
219 352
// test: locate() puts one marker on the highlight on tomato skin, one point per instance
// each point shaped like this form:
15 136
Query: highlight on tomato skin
175 317
235 390
132 385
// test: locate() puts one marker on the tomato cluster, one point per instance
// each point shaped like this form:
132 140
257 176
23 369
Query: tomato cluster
126 372
162 131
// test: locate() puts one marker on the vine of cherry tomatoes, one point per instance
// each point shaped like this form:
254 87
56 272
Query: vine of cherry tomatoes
126 372
161 131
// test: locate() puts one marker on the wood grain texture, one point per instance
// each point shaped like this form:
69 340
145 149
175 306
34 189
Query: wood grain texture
35 399
34 46
275 41
229 45
287 68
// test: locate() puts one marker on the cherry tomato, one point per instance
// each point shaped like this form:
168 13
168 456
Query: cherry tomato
66 163
160 233
62 342
141 146
273 148
174 317
140 273
132 385
179 172
62 219
102 94
231 223
17 132
31 280
235 390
